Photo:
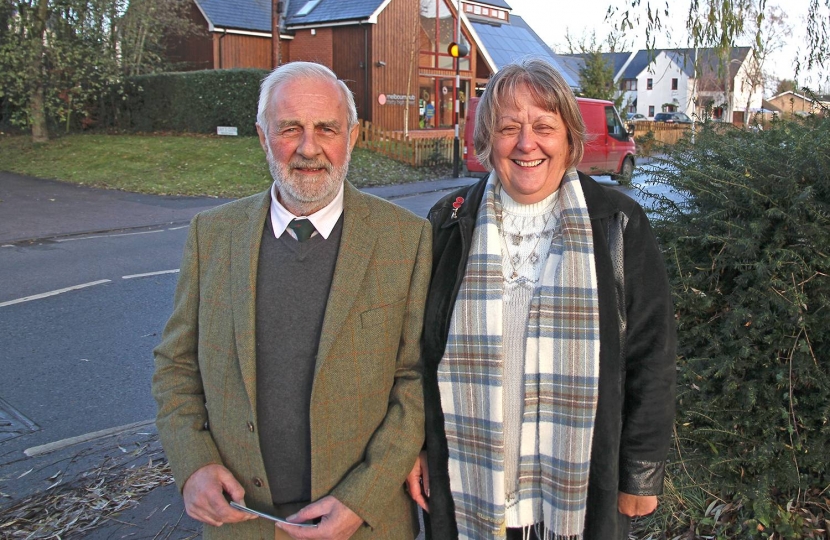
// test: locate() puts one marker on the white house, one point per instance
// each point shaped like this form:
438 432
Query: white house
694 81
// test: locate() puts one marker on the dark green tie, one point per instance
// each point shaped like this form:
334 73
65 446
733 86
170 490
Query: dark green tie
302 228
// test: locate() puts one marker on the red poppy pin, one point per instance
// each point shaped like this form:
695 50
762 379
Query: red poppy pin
456 205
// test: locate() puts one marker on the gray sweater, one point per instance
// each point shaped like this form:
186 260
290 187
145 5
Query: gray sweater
293 283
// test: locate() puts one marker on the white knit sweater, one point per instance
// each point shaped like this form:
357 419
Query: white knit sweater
526 230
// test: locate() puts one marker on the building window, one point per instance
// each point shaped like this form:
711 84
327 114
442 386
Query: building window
717 113
651 110
649 84
438 25
306 9
674 84
501 14
628 84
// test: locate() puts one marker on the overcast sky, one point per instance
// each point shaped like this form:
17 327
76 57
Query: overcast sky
552 20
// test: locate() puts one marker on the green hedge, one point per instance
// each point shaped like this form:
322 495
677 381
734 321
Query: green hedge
195 101
748 253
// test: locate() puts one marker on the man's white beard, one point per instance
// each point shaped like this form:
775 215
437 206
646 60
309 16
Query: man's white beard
301 193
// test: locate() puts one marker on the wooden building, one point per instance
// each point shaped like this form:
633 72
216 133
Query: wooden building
391 53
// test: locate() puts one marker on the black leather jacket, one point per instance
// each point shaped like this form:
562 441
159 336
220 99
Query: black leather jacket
635 411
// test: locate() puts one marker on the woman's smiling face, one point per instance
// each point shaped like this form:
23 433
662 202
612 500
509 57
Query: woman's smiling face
530 148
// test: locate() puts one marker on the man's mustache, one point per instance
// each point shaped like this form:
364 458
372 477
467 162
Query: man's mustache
309 164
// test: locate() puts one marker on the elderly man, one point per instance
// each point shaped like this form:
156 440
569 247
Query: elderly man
288 377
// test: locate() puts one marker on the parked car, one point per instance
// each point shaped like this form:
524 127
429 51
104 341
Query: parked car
609 148
673 118
636 117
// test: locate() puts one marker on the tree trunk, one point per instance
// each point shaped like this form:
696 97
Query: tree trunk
37 101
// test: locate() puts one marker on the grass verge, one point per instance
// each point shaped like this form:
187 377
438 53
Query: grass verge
178 164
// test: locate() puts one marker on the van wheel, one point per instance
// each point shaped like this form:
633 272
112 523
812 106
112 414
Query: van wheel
626 172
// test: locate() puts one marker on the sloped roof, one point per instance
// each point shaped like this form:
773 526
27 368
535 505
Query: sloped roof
506 42
707 59
256 14
639 63
617 60
241 14
574 63
329 11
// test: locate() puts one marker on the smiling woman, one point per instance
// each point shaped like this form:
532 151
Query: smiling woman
535 316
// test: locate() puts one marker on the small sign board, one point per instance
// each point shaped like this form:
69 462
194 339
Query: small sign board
226 130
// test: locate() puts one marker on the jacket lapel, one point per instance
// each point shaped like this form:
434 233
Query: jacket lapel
244 253
356 246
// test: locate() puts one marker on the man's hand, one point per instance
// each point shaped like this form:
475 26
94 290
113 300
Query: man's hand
636 505
337 521
204 499
418 482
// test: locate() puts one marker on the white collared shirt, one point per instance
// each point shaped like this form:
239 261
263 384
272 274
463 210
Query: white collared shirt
323 220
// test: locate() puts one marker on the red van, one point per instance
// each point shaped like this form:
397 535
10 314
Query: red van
609 148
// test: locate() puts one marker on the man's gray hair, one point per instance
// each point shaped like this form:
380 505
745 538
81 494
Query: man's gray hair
547 88
300 70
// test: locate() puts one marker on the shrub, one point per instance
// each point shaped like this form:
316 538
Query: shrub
748 253
195 101
646 144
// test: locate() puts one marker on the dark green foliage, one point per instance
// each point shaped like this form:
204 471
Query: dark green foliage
748 252
195 101
597 78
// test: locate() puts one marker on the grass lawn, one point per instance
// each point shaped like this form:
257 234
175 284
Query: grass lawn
177 164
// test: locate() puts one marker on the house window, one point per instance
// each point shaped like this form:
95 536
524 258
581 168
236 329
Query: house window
651 110
501 14
717 113
674 84
628 84
649 84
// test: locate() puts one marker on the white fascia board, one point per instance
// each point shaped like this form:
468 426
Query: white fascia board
373 19
249 33
329 25
625 66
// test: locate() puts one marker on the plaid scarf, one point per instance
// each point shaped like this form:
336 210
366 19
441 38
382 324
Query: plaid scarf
560 396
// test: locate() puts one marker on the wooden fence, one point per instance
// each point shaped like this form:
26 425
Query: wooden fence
416 152
663 132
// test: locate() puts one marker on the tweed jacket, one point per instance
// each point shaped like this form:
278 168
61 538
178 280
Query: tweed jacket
635 411
366 407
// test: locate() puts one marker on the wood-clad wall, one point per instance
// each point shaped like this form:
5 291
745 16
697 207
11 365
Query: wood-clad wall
351 57
238 51
394 38
196 50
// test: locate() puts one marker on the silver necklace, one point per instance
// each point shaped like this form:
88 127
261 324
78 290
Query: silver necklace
516 263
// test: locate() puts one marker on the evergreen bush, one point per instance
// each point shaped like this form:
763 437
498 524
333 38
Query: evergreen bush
748 253
195 101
